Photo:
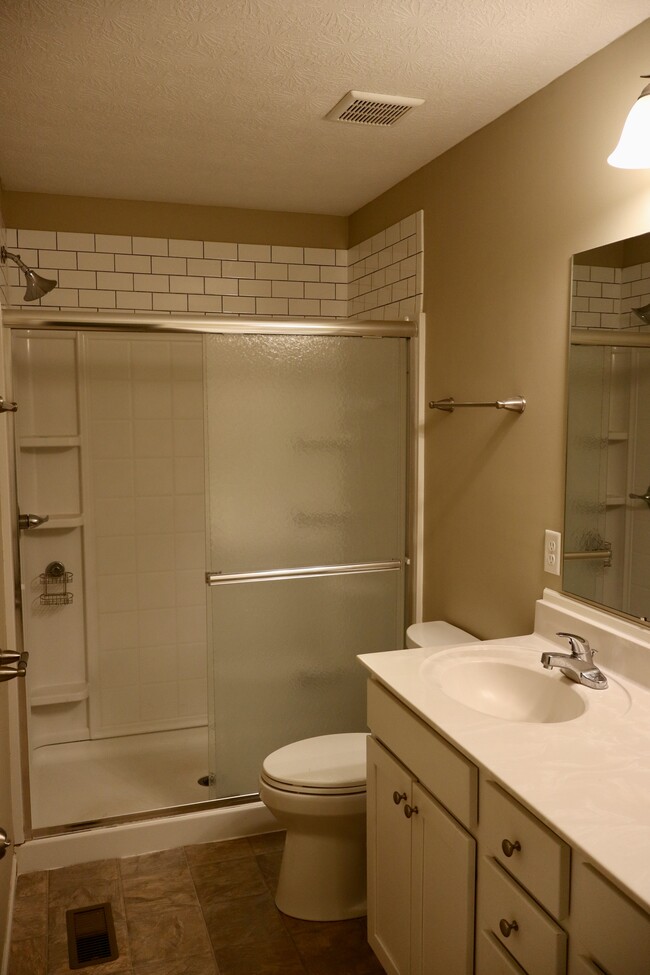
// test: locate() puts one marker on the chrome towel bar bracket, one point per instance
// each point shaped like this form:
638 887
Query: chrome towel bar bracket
515 404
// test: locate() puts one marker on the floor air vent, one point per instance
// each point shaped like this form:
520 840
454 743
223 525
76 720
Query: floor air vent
366 108
91 936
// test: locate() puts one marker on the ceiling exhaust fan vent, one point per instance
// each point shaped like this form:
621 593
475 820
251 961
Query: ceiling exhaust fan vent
366 108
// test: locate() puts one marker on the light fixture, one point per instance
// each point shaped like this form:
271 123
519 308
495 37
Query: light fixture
35 285
633 149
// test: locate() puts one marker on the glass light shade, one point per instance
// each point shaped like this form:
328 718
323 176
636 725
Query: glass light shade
633 149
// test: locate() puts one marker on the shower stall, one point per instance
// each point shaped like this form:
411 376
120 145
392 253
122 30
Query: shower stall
213 522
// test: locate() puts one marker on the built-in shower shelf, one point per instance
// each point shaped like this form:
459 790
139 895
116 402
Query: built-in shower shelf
58 694
52 443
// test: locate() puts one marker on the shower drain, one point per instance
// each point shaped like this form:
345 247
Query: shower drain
91 936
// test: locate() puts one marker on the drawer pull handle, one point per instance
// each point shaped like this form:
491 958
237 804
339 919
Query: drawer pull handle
509 848
505 927
410 811
399 797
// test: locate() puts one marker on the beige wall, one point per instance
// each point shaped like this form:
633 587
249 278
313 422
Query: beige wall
79 214
504 212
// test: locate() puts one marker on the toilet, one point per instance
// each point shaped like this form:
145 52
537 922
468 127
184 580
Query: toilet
316 789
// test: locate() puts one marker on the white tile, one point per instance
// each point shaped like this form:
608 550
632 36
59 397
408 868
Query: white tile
257 289
400 251
68 297
589 289
238 306
186 248
378 279
602 274
75 242
189 549
287 255
342 257
151 282
189 475
320 255
118 668
156 626
154 550
581 272
58 259
188 399
206 304
399 290
133 263
304 272
378 242
95 262
631 273
353 255
221 286
219 251
288 289
372 262
97 299
113 478
271 272
408 309
585 319
408 267
154 476
113 243
190 591
78 279
334 309
189 513
190 624
150 245
601 305
110 438
254 252
187 359
168 265
385 296
318 290
238 269
152 400
120 706
154 516
192 697
117 281
188 439
186 285
114 516
156 590
159 701
408 226
392 234
342 292
135 300
169 302
304 306
272 306
11 239
194 658
205 268
118 631
117 593
37 239
337 274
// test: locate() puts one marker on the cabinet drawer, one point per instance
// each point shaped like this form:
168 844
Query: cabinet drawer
542 864
492 959
538 943
614 931
451 777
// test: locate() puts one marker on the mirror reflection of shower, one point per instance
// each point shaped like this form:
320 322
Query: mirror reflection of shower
35 285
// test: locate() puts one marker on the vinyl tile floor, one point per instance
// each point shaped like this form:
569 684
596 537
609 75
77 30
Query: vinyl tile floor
195 910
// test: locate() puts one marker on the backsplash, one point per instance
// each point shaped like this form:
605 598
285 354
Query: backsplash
380 278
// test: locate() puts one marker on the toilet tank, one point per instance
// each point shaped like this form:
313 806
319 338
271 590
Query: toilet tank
437 633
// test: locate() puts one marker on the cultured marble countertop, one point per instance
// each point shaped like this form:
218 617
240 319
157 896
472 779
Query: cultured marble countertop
588 778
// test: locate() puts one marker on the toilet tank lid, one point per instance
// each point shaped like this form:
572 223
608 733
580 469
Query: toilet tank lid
324 762
437 633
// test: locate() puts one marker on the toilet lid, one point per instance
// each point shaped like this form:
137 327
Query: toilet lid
333 762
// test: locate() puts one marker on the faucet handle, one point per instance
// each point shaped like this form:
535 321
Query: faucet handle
578 644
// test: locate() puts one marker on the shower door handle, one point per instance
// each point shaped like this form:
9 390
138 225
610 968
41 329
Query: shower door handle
7 658
642 497
26 522
5 842
6 407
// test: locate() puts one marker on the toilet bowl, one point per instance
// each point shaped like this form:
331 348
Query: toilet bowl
316 789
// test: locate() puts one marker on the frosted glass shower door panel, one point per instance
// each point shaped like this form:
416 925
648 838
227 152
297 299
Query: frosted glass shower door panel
285 664
306 450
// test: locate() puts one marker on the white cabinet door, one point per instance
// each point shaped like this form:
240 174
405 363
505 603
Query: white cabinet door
389 860
443 882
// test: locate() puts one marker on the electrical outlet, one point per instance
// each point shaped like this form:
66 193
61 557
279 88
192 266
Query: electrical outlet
552 552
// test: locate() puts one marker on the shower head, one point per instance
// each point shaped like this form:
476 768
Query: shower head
35 285
643 313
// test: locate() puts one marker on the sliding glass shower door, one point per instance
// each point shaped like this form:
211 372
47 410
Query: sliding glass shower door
306 463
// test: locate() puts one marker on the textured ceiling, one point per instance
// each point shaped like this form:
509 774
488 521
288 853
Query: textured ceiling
222 101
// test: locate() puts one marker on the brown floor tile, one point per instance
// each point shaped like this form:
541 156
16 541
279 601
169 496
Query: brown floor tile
213 852
181 966
153 864
269 864
335 948
268 842
170 936
244 921
83 895
30 910
228 879
28 957
157 882
82 875
280 958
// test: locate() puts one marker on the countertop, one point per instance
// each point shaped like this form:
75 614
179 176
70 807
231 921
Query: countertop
588 778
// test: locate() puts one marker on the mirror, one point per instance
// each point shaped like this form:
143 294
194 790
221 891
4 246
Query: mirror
607 503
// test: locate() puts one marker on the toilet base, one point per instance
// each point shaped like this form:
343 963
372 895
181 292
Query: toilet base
323 871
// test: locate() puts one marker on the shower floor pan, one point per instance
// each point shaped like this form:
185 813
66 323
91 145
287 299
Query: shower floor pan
82 781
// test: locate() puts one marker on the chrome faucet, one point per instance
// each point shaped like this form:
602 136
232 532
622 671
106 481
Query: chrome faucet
577 665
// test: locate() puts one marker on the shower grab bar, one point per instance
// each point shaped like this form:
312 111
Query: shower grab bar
604 554
516 404
306 572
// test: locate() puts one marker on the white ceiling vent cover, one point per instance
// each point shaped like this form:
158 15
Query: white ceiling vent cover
366 108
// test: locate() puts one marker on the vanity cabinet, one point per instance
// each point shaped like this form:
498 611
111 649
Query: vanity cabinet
421 860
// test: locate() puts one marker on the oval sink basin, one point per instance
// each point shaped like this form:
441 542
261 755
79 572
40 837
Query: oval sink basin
509 690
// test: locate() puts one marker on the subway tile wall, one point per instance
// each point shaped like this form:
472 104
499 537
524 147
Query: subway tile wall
381 278
603 297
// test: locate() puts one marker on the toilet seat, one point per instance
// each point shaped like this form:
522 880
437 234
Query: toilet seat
326 765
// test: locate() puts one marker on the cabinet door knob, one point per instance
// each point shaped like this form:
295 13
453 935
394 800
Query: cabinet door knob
509 848
410 810
505 927
399 797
